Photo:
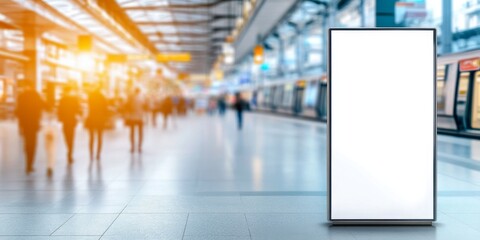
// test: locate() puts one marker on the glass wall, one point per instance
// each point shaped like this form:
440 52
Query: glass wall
296 46
465 24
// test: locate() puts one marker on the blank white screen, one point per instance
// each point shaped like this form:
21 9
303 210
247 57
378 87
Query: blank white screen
382 124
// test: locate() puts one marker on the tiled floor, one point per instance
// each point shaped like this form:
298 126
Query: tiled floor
206 180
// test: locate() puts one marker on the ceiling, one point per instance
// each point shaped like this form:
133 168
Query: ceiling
195 26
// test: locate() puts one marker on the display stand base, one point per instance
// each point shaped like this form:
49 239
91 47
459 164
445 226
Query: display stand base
381 223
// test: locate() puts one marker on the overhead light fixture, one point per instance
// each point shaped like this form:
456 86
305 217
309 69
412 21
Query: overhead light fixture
258 54
247 7
239 22
229 59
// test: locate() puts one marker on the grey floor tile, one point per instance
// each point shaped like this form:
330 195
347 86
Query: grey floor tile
185 204
273 172
49 237
99 208
284 204
86 224
459 204
147 226
31 224
293 226
216 225
470 219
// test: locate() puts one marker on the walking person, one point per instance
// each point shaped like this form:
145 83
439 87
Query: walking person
182 106
222 105
240 105
68 111
167 110
154 109
96 120
30 106
135 111
50 131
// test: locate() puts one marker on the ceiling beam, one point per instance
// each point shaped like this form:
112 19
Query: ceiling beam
181 6
182 43
187 23
220 29
175 23
112 8
181 34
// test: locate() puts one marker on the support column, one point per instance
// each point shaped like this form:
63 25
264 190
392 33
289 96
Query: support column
281 56
446 37
299 52
31 44
361 9
385 13
325 27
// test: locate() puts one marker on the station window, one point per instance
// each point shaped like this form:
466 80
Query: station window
441 82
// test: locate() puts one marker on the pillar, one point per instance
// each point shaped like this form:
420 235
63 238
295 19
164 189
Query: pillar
446 37
300 56
32 46
385 13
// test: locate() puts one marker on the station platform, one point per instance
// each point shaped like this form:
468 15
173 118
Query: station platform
204 179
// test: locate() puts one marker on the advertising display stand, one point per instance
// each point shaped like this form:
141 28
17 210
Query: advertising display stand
382 126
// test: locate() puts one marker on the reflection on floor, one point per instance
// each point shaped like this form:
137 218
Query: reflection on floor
206 180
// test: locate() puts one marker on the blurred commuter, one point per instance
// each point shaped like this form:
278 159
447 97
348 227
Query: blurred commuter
175 102
30 106
96 120
222 105
240 105
182 106
135 111
212 106
50 131
154 109
167 110
68 111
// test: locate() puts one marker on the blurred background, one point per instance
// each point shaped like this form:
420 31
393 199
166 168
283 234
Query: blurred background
197 48
272 51
205 119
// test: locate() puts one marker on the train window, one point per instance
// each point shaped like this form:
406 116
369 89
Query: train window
441 73
278 95
287 95
310 96
461 99
463 86
266 97
476 102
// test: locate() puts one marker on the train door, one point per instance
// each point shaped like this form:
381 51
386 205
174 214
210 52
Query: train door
441 85
475 116
298 97
277 101
267 97
461 99
465 105
322 101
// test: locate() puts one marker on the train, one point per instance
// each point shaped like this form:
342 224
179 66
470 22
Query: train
458 96
306 98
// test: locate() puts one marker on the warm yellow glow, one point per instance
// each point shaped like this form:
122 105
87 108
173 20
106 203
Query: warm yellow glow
69 60
258 54
219 75
239 22
138 57
247 7
86 62
174 57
